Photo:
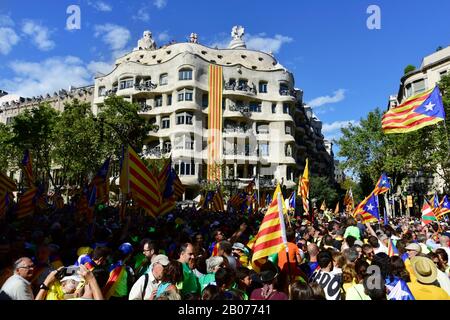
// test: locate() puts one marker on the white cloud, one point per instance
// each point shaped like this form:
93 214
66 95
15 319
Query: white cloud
338 96
52 74
8 39
259 42
113 35
6 21
164 36
99 67
39 35
332 130
142 15
100 6
160 3
267 44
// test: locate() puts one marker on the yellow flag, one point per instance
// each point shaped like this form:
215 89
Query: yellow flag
323 207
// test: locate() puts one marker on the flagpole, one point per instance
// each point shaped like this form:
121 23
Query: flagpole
283 232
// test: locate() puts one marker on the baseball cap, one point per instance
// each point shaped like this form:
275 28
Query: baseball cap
413 247
238 246
126 248
161 259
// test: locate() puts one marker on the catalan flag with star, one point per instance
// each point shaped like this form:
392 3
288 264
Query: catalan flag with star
444 207
368 208
383 185
417 112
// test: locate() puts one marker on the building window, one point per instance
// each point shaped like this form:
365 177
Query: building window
274 108
167 147
185 95
284 89
443 73
184 118
185 74
264 149
205 101
158 101
126 83
419 86
165 123
101 91
169 100
288 129
9 120
185 168
255 106
408 91
163 79
286 108
262 87
262 128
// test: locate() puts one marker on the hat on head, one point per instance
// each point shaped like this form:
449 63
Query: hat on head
414 247
358 243
126 248
161 259
424 269
238 246
383 237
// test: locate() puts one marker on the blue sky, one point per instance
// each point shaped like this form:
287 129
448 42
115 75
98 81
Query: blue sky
345 69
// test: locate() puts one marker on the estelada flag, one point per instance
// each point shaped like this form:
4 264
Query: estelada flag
415 113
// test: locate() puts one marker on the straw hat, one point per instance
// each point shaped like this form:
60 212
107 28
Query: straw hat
424 269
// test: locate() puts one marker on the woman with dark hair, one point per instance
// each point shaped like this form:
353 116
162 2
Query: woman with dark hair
397 269
172 274
300 291
357 291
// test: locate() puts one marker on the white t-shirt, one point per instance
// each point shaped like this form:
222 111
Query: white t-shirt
138 287
331 283
18 288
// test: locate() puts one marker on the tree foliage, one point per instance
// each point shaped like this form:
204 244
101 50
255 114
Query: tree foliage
321 188
368 151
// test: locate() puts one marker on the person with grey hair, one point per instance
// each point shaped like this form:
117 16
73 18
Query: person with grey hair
351 254
213 264
18 286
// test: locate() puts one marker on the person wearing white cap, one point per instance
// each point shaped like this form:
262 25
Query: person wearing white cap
413 249
147 283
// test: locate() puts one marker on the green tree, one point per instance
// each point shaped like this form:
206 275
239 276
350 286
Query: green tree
78 151
409 68
9 155
35 130
120 123
321 188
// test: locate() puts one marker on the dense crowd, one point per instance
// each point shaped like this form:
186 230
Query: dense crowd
202 255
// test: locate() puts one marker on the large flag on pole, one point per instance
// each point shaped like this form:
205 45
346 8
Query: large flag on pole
368 208
271 236
137 180
6 183
427 213
101 183
417 112
303 188
28 168
444 206
349 203
383 185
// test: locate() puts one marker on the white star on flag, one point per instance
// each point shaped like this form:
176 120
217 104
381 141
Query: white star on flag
383 182
370 207
429 106
445 204
396 292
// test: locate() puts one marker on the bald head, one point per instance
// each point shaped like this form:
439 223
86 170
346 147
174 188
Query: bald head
313 250
24 267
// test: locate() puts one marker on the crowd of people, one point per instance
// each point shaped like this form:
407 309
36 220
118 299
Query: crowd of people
203 255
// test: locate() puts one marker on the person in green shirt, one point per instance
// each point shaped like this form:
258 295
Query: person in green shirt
352 229
190 284
212 265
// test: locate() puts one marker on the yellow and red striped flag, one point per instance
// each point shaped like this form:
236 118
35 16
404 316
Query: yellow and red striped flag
137 180
271 237
6 183
215 123
27 166
26 204
303 188
217 202
417 112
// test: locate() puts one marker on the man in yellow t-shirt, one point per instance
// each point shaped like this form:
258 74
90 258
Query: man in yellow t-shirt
425 287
